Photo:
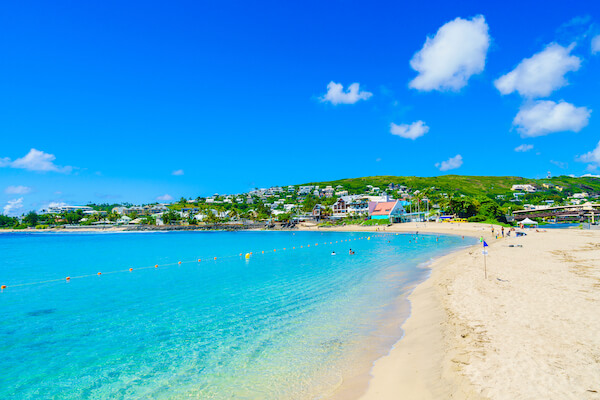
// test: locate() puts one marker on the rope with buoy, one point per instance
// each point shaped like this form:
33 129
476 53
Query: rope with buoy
246 256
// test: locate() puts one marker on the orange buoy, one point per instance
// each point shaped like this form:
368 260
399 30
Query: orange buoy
99 273
156 266
215 258
130 269
179 262
68 278
308 245
240 254
274 249
3 287
251 253
263 252
199 260
284 248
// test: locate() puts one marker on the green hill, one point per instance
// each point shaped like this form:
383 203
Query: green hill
467 185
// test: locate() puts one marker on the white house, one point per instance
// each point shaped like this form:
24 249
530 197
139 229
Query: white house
526 188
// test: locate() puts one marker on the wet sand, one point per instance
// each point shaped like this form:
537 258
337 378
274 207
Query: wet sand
528 331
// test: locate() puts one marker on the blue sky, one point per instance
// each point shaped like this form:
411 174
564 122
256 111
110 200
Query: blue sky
114 97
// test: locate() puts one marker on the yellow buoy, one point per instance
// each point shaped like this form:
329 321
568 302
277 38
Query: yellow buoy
247 255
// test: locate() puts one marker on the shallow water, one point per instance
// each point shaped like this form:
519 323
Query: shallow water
287 324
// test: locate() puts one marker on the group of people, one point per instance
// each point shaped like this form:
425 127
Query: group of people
351 252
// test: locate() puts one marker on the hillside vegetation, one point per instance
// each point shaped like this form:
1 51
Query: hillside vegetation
467 185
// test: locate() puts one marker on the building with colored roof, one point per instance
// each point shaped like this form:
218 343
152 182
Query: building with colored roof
390 210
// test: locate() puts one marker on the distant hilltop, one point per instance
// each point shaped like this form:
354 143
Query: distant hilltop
467 185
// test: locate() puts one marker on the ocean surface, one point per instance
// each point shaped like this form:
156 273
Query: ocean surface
286 324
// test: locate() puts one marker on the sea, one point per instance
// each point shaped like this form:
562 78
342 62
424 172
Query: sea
203 315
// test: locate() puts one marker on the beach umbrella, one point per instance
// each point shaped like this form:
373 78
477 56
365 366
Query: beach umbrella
527 221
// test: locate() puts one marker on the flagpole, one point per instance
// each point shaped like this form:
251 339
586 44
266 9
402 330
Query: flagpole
484 257
484 264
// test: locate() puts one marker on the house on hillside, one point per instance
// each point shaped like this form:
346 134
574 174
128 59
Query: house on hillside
526 188
317 211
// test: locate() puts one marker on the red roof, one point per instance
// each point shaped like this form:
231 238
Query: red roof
384 208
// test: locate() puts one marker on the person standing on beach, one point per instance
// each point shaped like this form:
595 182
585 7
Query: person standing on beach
502 231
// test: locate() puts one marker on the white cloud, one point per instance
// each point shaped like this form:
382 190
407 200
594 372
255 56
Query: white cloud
412 131
596 44
541 74
13 205
17 190
165 197
523 148
177 172
451 163
452 56
591 157
336 94
36 160
543 117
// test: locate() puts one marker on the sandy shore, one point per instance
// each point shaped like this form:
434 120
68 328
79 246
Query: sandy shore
531 330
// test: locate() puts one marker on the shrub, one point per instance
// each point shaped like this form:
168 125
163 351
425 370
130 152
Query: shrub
477 218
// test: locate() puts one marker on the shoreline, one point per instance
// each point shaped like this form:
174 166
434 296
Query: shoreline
527 331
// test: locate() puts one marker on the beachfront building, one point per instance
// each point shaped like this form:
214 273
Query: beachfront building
389 210
350 206
59 209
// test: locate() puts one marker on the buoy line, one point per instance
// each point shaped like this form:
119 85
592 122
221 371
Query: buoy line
246 256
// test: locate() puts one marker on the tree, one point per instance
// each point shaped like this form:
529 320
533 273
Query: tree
31 218
72 217
170 216
462 206
6 221
284 217
149 220
489 208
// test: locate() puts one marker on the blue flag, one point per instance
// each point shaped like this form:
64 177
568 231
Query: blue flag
485 244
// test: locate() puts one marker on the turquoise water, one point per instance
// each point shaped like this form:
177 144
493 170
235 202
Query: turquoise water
287 324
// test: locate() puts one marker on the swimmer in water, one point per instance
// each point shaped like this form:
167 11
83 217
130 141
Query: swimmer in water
333 253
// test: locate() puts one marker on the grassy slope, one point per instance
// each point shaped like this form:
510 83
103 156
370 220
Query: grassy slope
468 185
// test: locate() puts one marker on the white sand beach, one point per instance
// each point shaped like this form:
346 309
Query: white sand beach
531 330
